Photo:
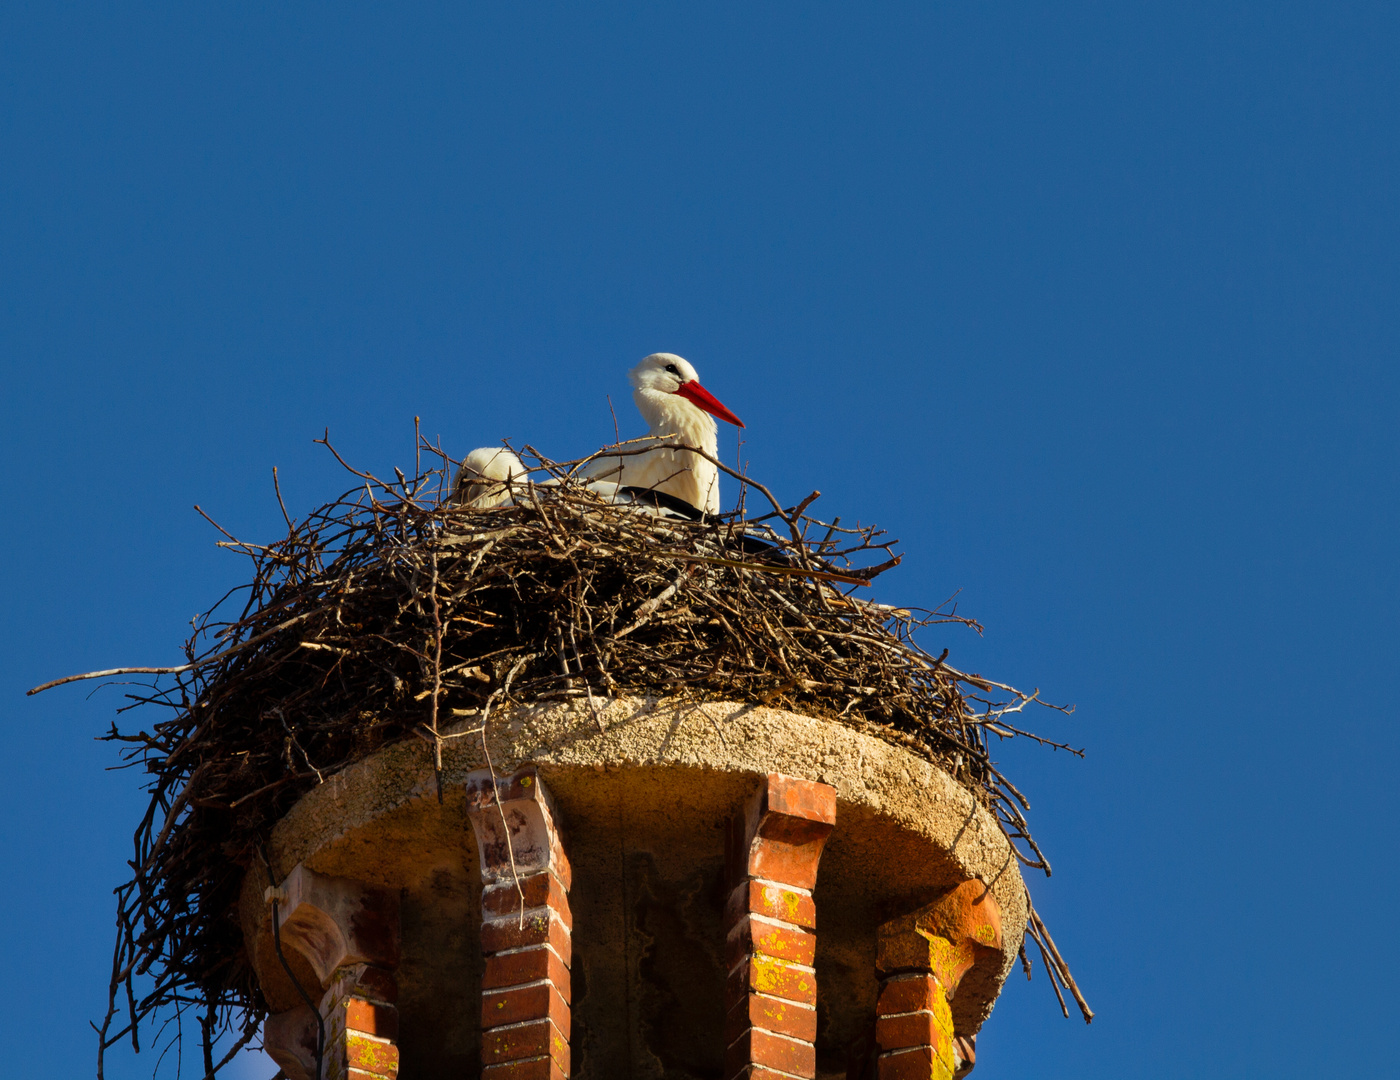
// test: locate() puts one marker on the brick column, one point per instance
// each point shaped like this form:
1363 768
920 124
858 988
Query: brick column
771 920
362 1024
526 928
921 959
347 934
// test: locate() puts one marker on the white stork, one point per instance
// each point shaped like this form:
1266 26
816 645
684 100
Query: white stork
679 411
488 477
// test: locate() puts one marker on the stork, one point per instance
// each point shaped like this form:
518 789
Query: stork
489 476
678 410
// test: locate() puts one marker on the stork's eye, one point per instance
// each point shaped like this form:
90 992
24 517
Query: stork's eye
672 369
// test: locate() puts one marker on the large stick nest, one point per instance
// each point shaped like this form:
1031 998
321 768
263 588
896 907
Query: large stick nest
384 613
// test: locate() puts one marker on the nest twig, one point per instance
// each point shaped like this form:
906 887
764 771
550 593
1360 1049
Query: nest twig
386 609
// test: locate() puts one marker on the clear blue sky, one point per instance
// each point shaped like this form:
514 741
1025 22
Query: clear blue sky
1093 305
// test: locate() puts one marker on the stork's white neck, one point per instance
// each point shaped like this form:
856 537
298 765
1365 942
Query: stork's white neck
674 419
687 476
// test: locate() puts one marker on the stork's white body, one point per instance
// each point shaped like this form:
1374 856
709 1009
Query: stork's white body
678 411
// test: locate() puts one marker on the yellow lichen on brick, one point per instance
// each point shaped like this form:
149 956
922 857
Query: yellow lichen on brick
781 980
767 977
946 960
943 1035
371 1055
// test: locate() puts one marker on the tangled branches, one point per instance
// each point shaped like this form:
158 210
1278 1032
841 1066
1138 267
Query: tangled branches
382 612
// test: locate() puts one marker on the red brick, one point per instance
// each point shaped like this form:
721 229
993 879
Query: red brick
784 829
760 1048
772 977
371 1055
531 842
781 832
952 965
758 1072
336 923
791 861
363 981
525 966
775 901
946 937
808 799
965 1046
539 926
968 912
920 1064
540 1068
910 1029
372 1018
772 1014
908 994
377 984
522 1041
541 890
763 938
905 949
519 1003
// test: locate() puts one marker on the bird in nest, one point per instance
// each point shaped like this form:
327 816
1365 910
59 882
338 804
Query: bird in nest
655 472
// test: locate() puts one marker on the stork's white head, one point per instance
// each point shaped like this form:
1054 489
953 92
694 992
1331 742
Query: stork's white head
489 476
661 378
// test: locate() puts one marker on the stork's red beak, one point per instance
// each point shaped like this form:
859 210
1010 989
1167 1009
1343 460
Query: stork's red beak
701 398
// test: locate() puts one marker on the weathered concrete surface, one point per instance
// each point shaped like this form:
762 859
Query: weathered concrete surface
643 805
